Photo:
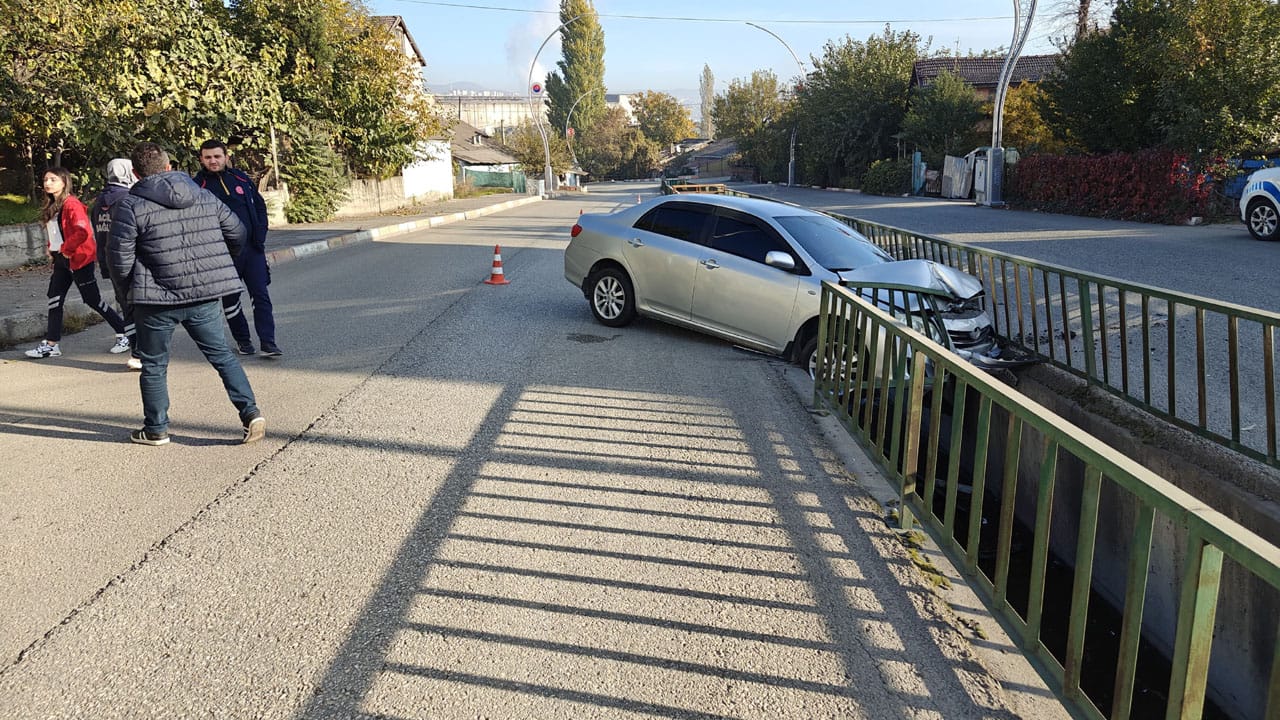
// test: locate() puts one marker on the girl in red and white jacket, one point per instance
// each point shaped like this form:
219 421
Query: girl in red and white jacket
72 251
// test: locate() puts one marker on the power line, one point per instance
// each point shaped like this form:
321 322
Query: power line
469 6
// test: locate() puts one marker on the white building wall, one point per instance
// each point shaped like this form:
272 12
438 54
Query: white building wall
432 176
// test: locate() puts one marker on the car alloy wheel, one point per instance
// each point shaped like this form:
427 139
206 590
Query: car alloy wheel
1264 221
611 296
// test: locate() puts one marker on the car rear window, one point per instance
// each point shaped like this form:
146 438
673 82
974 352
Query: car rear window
834 245
680 222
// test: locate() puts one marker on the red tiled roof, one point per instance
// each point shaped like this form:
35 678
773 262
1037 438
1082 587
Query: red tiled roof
983 72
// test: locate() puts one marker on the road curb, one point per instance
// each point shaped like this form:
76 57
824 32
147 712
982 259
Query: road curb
305 250
20 328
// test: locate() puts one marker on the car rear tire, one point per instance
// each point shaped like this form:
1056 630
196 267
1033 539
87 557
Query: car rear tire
1262 220
612 299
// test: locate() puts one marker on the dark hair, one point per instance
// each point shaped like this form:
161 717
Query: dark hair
53 205
213 143
149 159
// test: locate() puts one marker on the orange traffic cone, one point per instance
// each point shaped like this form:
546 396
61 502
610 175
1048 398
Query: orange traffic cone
496 277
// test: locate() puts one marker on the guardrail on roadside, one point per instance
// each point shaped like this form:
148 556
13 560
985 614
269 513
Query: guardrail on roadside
670 188
1109 331
892 391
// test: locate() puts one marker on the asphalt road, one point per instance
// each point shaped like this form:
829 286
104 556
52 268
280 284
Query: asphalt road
1220 261
473 501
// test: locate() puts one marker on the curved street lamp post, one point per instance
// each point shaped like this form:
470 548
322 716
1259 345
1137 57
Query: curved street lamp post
537 113
791 163
567 137
995 158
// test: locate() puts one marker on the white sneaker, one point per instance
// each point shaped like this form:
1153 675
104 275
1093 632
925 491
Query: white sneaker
122 344
45 349
134 364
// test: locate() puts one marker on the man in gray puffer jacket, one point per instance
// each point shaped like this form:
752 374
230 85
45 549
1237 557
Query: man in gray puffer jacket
172 244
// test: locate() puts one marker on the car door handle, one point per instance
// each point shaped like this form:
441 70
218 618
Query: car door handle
635 242
710 264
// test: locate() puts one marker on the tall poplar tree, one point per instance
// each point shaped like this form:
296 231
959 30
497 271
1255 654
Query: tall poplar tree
661 117
580 78
707 89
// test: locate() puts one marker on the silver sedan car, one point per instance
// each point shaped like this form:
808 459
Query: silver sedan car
744 269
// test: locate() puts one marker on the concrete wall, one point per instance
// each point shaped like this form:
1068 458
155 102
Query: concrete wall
21 244
1245 491
430 178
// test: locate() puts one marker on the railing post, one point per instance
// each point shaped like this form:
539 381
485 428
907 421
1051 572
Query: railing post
1086 328
1194 640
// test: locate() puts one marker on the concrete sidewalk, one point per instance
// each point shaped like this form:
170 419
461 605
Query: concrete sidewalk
24 306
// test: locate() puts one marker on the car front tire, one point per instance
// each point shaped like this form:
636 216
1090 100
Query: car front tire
1262 220
807 359
612 299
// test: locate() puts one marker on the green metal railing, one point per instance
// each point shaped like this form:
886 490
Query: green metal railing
1150 346
891 387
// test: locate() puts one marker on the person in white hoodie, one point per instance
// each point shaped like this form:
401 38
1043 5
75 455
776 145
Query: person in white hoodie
120 177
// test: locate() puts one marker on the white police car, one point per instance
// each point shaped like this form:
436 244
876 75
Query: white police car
1260 204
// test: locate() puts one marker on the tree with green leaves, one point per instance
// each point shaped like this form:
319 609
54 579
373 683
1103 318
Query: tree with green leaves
578 85
1091 75
707 91
755 113
942 118
869 82
661 117
315 173
525 143
747 105
1186 74
180 79
382 105
43 78
614 149
1024 126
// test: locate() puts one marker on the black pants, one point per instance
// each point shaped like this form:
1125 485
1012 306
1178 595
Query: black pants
87 283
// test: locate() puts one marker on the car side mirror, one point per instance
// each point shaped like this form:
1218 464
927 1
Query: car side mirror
780 260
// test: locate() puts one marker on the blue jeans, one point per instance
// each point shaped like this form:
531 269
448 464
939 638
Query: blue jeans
203 321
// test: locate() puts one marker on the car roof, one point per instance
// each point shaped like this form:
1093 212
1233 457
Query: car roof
755 206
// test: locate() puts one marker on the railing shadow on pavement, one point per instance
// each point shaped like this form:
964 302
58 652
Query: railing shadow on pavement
603 560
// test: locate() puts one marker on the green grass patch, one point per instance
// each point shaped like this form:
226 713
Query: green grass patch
17 210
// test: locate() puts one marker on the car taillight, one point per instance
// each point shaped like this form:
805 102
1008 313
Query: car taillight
576 229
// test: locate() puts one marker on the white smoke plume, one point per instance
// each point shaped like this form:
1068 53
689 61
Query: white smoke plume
523 41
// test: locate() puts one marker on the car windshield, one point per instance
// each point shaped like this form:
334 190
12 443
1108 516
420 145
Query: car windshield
834 245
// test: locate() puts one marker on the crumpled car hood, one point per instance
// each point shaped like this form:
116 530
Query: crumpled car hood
915 275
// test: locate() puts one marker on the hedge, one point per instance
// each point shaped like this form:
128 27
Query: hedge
888 177
1148 186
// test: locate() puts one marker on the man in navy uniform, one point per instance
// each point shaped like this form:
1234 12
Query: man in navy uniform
239 193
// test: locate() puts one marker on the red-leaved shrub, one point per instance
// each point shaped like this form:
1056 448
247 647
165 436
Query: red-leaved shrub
1147 186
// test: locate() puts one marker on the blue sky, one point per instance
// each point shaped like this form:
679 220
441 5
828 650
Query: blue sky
494 47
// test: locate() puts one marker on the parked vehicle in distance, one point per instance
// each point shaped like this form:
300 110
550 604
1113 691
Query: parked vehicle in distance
749 271
1260 204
